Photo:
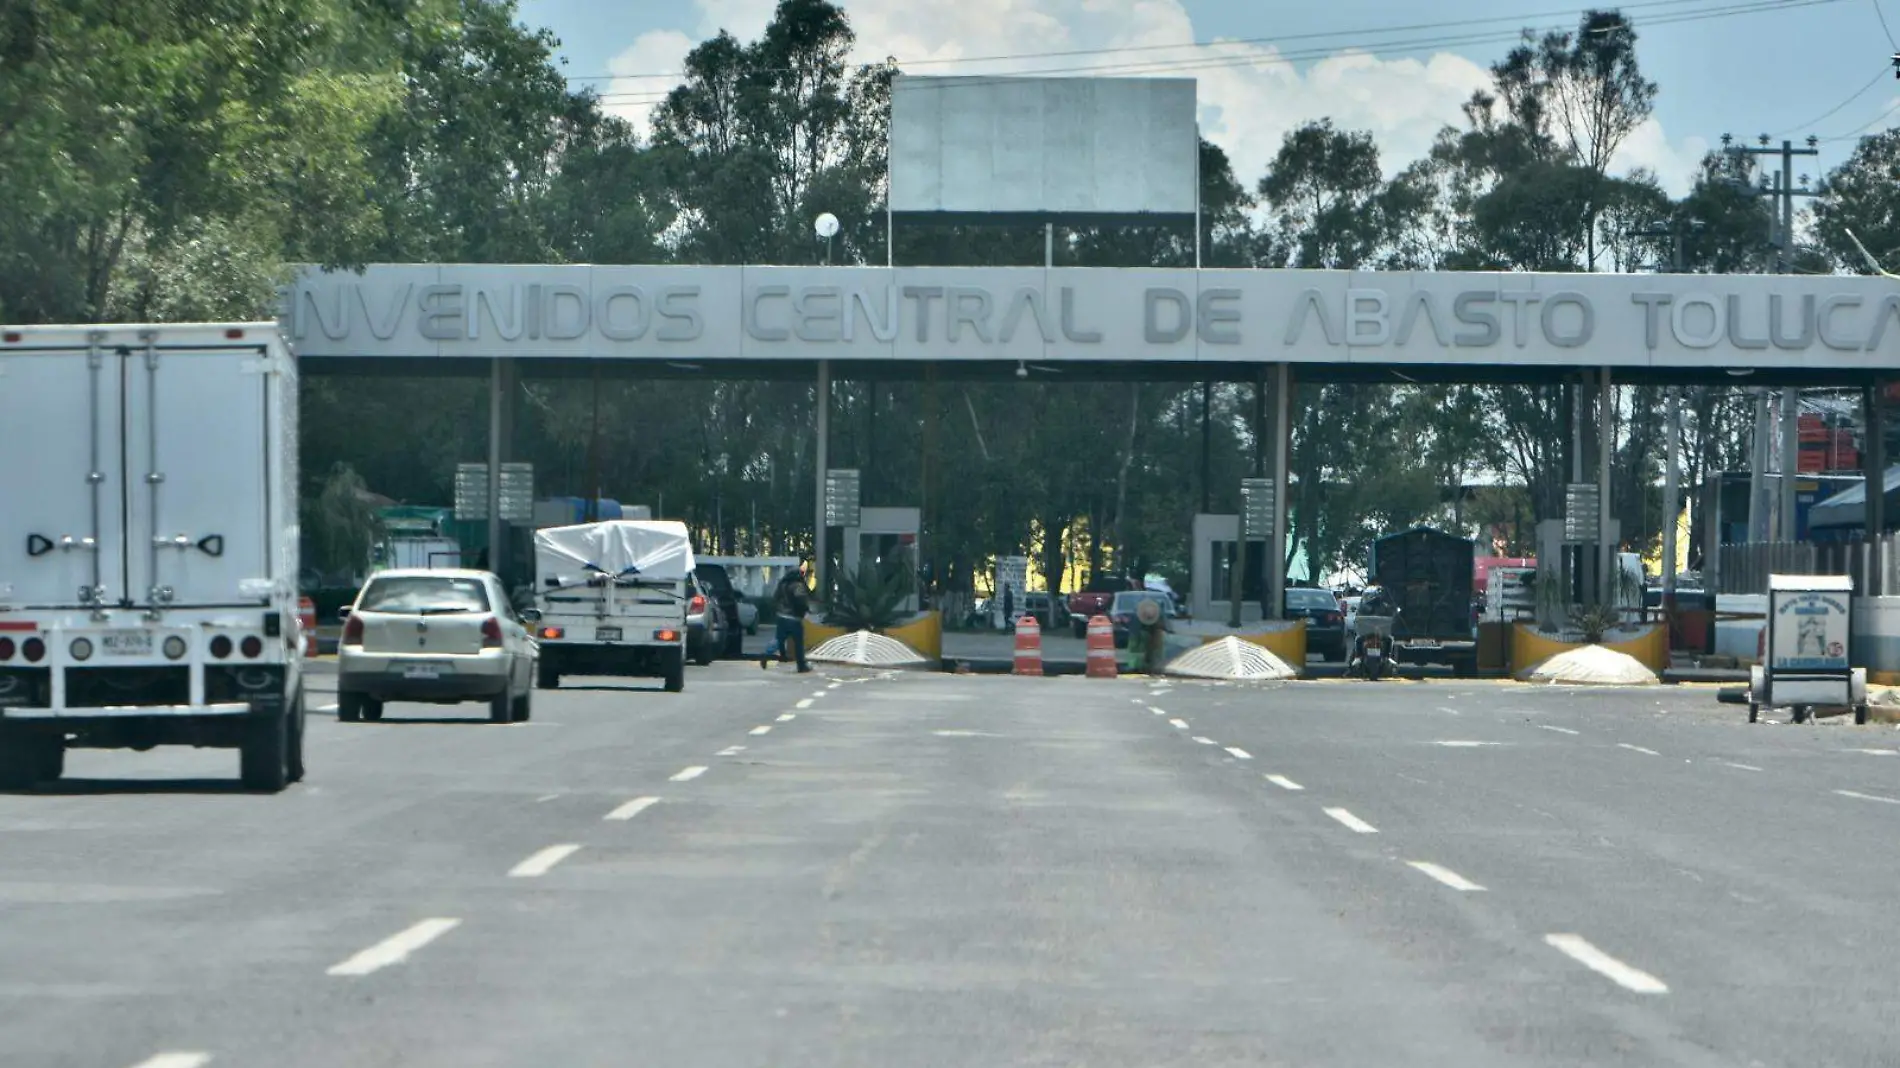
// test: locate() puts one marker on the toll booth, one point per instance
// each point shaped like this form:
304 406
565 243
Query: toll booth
883 535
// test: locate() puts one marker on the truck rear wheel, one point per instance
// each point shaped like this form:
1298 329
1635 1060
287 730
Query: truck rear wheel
296 739
264 753
675 671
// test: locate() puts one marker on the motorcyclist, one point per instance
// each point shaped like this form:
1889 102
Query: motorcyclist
1375 603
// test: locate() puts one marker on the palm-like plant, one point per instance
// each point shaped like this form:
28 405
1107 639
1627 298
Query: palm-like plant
872 599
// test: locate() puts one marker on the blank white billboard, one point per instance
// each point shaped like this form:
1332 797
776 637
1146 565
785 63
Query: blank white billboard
1074 146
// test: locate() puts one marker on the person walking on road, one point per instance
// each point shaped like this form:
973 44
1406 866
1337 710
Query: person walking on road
791 603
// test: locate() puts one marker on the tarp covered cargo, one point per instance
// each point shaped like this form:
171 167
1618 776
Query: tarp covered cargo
647 549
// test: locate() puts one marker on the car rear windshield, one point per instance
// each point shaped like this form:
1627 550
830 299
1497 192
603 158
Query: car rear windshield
1312 599
714 577
1126 602
424 594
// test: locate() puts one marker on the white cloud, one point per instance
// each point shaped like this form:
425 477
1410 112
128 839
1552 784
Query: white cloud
1250 96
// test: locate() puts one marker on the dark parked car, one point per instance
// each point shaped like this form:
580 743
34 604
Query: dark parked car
1325 620
717 585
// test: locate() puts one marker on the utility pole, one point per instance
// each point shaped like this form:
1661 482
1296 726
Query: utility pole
1783 188
1672 475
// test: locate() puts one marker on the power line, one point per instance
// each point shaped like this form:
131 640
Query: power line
1727 10
1698 10
1879 76
1856 135
1883 25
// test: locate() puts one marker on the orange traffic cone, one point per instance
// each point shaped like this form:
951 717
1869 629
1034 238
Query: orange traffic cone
1028 646
1101 648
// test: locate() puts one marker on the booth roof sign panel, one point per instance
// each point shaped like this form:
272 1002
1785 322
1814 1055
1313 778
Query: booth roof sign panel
949 314
1583 512
1044 146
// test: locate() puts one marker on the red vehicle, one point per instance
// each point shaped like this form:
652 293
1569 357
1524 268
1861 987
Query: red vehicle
1094 599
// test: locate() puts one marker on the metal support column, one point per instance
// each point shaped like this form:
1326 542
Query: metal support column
1874 462
1758 529
501 380
1275 584
1606 447
1672 503
820 573
1785 529
1207 448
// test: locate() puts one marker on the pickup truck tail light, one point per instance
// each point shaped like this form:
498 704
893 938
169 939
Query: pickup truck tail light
697 606
491 633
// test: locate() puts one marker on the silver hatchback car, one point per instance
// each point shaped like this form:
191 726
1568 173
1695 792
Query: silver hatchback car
435 636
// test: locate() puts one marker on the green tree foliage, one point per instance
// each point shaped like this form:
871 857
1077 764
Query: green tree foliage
1863 196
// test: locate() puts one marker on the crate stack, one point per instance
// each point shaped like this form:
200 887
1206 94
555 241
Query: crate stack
1826 446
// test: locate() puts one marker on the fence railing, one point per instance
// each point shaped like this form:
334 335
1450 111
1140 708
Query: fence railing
1744 568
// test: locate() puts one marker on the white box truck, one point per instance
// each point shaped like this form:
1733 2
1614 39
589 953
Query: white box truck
148 546
612 597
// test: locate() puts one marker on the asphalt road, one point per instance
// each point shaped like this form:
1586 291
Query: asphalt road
956 870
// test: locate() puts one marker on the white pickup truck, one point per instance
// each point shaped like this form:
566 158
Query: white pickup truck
148 546
612 597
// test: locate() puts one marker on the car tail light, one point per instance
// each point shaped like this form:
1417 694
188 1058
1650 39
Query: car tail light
252 647
491 633
353 631
34 650
1331 617
6 648
697 606
220 647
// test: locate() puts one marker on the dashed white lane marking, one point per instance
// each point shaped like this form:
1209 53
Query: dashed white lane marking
1204 741
1284 783
175 1060
731 750
688 774
1156 711
1876 752
834 685
632 808
1460 744
1351 821
1637 749
821 693
1869 797
1239 753
545 798
1559 730
396 948
763 728
1178 724
1452 711
787 717
1732 764
804 703
543 861
965 734
1581 951
1445 875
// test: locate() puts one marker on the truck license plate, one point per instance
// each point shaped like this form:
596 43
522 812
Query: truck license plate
1424 643
126 643
422 671
607 634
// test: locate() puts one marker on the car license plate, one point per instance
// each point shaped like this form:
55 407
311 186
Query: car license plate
607 634
126 643
422 671
1424 643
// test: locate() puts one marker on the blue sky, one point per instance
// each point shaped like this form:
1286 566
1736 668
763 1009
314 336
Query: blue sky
1775 69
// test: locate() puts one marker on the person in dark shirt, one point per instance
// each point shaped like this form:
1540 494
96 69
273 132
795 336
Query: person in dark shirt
791 603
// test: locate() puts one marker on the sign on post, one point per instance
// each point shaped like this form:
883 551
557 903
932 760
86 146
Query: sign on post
1257 503
1583 513
842 497
517 493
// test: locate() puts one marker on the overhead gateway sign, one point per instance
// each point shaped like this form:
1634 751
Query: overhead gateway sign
949 314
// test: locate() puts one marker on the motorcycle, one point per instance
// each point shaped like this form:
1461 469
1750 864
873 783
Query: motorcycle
1371 658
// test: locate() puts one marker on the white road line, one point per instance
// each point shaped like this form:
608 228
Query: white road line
1204 741
1559 730
1869 797
1239 753
545 798
1465 744
1574 947
821 693
688 774
1178 724
1744 767
763 728
834 685
632 808
1445 875
396 948
1284 783
1876 752
175 1060
1452 711
1637 749
803 703
1156 711
543 862
788 717
1351 821
731 750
